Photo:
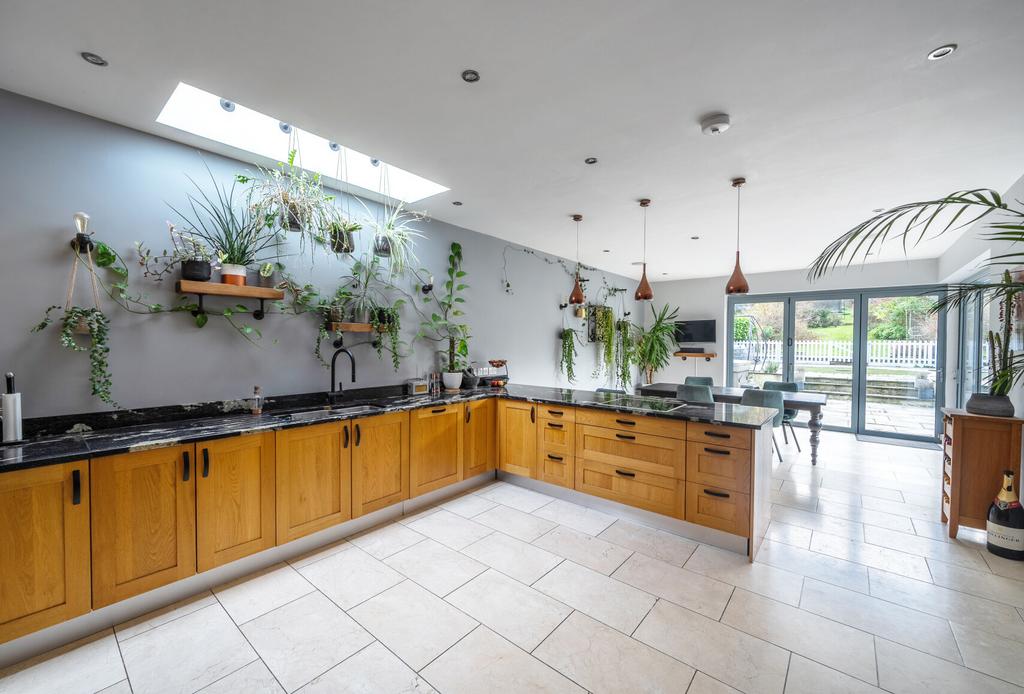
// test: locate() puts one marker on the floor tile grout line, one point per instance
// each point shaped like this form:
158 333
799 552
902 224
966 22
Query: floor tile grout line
340 662
242 633
174 619
124 665
547 636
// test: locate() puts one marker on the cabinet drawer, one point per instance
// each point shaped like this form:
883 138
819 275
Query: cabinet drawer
557 412
733 437
657 455
555 468
718 465
640 424
556 437
718 508
631 486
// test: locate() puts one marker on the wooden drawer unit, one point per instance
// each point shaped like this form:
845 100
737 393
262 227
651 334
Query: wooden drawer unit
557 412
718 465
637 424
731 437
556 443
657 455
718 508
631 486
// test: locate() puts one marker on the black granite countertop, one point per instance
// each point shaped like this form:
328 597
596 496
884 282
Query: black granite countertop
106 433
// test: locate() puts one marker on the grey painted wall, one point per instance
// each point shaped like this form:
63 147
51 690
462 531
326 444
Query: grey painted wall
58 162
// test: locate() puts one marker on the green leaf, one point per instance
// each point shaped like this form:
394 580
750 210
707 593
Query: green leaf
201 320
105 256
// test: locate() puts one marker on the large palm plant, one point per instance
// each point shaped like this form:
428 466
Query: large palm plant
914 222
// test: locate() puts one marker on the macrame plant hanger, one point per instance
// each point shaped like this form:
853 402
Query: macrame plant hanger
82 243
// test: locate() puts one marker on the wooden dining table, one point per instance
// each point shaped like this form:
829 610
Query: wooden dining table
801 400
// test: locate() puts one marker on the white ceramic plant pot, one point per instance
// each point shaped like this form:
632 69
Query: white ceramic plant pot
232 274
452 380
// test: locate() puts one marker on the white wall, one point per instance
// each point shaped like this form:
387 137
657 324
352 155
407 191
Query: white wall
705 298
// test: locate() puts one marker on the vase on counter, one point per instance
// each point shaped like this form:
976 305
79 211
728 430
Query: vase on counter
990 405
452 380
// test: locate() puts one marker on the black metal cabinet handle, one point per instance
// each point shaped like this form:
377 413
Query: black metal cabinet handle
716 435
76 487
469 413
344 441
206 462
625 474
533 415
359 435
439 410
557 458
555 425
712 492
186 470
627 437
555 413
626 422
717 451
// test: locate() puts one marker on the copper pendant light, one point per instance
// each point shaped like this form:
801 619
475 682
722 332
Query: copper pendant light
643 290
737 282
577 296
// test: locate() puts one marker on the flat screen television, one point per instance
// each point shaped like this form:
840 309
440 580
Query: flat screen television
689 331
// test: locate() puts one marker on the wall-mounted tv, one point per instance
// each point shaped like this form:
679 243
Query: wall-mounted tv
695 331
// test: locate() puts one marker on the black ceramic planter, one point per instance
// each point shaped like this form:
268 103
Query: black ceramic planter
991 405
342 241
196 270
382 247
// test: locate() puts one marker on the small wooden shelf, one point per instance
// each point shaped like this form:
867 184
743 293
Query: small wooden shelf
352 328
202 289
707 356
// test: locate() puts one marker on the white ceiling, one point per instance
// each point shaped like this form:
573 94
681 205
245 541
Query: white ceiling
835 109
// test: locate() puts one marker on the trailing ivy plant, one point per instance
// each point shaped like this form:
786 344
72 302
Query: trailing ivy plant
96 324
604 327
625 353
567 359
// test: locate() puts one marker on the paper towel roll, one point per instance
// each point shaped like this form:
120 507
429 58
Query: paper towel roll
11 403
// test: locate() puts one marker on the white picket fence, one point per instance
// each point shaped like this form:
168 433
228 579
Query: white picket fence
919 354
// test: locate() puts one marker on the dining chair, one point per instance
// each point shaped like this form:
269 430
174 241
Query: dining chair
772 399
698 381
788 413
695 394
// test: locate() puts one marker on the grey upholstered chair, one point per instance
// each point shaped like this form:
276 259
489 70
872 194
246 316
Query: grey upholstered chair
788 414
620 391
770 399
698 381
695 394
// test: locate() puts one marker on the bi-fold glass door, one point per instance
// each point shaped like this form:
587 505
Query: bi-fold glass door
877 354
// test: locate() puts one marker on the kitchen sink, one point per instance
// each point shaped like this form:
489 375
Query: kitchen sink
324 413
356 409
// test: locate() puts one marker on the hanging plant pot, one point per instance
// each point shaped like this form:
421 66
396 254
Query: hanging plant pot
196 270
382 316
336 314
361 315
382 246
81 326
342 241
991 405
290 219
233 274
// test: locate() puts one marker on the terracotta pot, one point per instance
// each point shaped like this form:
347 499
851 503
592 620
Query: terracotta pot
233 274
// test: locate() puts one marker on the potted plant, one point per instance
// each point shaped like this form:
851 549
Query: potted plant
290 197
443 326
393 236
340 234
237 233
655 344
189 254
567 353
387 324
73 321
269 274
625 353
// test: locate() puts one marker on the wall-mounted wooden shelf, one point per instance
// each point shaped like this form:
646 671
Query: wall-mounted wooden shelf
201 289
352 328
707 356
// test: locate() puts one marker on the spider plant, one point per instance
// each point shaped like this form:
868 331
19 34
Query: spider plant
654 345
393 235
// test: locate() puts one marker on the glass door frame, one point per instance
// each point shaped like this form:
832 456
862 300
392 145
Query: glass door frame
860 297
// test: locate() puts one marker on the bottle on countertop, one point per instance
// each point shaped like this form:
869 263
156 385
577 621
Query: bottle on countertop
257 400
10 411
1005 524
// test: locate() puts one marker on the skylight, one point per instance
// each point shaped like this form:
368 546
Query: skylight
201 113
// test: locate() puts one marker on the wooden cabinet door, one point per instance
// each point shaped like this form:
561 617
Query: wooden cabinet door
380 462
479 450
143 521
517 435
234 498
314 479
44 547
435 448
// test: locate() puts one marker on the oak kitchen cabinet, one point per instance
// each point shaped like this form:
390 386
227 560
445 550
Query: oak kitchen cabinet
314 478
44 547
556 445
479 448
517 435
380 461
435 448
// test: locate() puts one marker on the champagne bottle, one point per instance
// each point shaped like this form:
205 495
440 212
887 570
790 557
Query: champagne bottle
1006 522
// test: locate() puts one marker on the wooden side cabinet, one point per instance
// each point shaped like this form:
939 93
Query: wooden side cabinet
435 448
517 436
479 449
380 462
44 547
234 498
975 451
143 521
314 479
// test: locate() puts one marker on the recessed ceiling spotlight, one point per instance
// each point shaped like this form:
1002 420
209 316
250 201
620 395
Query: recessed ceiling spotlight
607 250
590 160
228 106
375 162
334 146
93 59
286 128
664 273
470 76
942 52
457 203
715 123
695 238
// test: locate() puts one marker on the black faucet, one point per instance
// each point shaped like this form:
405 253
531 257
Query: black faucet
337 390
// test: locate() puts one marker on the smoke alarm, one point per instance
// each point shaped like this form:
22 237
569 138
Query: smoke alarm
715 124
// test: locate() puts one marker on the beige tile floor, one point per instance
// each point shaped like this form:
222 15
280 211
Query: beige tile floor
857 589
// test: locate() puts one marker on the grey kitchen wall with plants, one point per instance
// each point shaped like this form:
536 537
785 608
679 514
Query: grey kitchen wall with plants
58 162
